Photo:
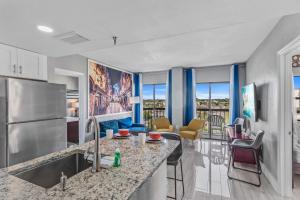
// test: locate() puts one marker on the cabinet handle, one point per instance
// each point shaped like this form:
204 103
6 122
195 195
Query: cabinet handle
15 70
20 69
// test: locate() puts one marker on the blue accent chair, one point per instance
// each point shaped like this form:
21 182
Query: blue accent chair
125 123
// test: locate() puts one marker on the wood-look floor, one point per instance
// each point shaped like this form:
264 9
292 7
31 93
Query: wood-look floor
205 176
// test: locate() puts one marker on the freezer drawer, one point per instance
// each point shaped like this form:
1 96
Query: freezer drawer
35 100
30 140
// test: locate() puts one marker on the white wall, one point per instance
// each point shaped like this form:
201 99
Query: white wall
78 64
155 77
69 81
262 69
213 74
177 96
75 63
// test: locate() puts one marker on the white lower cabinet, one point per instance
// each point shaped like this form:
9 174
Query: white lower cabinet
155 187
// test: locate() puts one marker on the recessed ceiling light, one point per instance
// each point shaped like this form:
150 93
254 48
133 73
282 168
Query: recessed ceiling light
45 29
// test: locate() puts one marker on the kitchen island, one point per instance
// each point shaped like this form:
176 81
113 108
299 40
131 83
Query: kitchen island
139 163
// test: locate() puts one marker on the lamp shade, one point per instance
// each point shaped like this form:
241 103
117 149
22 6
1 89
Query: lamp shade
134 100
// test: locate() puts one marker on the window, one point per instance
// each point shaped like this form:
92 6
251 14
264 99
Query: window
213 99
154 102
297 95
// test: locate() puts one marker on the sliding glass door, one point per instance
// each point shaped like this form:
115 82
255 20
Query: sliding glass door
213 106
154 102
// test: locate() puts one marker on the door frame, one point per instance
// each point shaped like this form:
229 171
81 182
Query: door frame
82 98
285 169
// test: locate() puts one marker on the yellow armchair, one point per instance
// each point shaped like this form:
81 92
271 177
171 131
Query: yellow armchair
193 130
162 125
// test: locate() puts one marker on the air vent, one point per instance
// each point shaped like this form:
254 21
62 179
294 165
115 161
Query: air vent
71 38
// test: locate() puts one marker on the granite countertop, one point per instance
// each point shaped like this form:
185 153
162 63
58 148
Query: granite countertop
138 163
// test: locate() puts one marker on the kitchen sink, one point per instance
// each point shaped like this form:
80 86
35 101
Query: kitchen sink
49 174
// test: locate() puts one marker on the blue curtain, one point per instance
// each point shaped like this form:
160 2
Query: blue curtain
170 95
234 93
189 96
137 109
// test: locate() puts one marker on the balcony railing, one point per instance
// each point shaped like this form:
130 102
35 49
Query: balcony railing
150 114
203 113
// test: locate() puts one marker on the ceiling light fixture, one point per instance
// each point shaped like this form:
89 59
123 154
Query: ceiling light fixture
45 29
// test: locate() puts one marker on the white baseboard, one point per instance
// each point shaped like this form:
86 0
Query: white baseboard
270 178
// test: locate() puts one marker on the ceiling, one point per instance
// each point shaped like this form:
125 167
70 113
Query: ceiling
152 34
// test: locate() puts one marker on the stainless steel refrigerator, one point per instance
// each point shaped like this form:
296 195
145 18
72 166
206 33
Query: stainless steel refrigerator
32 119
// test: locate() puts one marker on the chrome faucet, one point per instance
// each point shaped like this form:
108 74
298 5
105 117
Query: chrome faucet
97 155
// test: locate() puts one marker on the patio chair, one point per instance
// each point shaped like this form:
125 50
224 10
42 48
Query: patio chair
216 123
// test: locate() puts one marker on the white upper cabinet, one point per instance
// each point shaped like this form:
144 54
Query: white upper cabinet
8 65
21 63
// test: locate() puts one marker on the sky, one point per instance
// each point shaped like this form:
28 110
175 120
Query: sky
297 82
218 91
160 91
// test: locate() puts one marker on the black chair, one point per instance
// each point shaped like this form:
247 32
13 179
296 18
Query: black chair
254 146
173 160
